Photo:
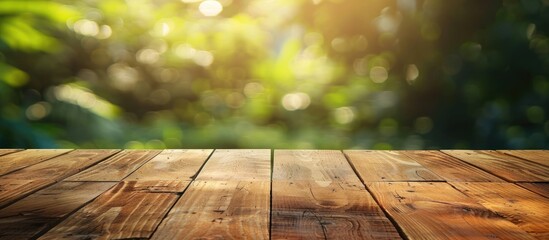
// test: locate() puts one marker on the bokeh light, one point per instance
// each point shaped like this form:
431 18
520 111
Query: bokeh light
400 74
210 8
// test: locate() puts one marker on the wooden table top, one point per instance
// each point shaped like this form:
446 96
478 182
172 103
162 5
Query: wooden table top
278 194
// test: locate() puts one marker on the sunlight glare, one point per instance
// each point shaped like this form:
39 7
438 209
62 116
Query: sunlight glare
412 72
344 115
86 27
296 101
210 8
378 74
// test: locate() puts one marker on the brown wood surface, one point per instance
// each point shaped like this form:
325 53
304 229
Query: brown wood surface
316 194
539 188
312 165
30 179
233 202
45 208
121 213
14 189
388 166
219 210
18 160
524 208
450 168
116 167
312 194
508 167
538 156
241 164
8 151
435 210
170 171
172 165
327 210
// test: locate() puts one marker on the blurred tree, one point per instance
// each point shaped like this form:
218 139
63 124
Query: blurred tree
276 74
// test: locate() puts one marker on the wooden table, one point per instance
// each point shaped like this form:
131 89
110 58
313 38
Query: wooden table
280 194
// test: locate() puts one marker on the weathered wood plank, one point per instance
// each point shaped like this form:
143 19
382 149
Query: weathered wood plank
388 166
219 210
45 208
172 165
526 209
170 171
14 189
438 211
327 210
449 168
116 167
223 206
18 160
316 194
538 156
8 151
504 166
120 213
539 188
30 179
312 165
241 164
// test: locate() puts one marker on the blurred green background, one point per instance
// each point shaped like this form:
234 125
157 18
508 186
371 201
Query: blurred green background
381 74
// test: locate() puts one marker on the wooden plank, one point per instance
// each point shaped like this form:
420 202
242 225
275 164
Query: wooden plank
8 151
116 167
327 210
312 165
449 168
438 211
388 166
316 194
30 179
232 203
538 156
14 189
18 160
120 213
219 210
526 209
172 165
504 166
171 170
242 164
539 188
43 209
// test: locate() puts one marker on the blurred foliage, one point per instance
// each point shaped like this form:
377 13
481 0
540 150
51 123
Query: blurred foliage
401 74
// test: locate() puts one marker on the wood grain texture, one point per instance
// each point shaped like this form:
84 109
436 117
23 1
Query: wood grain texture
539 188
18 160
219 210
388 166
327 210
43 209
14 189
116 167
507 167
120 213
312 165
526 209
316 194
8 151
238 164
449 168
172 165
538 156
438 211
25 181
